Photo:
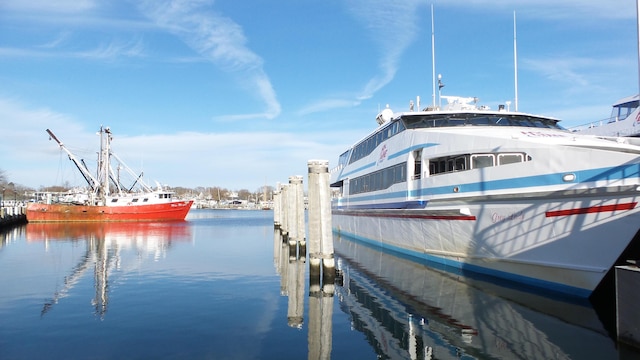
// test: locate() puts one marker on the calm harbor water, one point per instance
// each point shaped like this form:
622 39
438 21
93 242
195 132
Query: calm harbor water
222 286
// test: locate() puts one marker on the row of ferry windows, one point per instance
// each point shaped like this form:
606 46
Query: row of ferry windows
368 145
429 121
395 174
473 161
379 180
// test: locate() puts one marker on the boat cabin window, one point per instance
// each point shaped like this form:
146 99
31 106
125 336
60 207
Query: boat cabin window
477 119
114 200
482 160
504 159
134 200
145 199
622 111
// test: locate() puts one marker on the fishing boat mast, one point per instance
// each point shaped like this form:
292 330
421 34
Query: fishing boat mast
91 180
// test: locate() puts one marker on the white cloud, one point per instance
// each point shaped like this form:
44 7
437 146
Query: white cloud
392 26
218 39
48 6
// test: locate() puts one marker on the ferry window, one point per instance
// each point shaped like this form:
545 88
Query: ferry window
456 122
482 160
343 158
481 120
450 165
504 159
417 164
503 121
461 163
432 168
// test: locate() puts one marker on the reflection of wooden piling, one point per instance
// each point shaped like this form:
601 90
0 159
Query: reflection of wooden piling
627 299
320 315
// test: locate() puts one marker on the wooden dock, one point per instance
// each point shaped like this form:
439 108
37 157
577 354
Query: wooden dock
12 216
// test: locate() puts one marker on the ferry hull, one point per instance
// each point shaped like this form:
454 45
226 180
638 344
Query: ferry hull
172 211
560 245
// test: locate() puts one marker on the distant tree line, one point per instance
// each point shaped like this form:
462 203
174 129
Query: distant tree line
12 191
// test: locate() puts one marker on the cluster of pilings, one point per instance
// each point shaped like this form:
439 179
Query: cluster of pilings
290 251
289 218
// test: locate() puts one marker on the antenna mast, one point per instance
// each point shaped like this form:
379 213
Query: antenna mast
515 61
433 58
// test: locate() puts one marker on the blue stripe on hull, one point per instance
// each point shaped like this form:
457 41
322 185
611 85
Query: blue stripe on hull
429 259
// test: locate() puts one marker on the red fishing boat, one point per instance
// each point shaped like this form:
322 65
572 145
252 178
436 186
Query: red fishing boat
106 198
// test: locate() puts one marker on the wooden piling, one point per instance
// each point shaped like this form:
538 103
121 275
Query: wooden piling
296 204
277 208
284 215
321 242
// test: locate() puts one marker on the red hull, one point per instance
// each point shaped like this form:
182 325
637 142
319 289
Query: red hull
172 211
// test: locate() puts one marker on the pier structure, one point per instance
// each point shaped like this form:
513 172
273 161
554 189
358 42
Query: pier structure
12 215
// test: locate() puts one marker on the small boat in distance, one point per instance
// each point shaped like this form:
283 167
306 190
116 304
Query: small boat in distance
106 198
623 122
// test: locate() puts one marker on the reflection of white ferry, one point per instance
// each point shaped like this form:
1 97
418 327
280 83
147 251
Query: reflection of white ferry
410 311
503 193
624 120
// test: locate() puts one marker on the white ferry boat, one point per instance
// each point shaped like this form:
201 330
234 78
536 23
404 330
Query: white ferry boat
624 120
508 194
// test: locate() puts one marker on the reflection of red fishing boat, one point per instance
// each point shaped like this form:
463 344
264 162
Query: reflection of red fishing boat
106 198
159 231
107 245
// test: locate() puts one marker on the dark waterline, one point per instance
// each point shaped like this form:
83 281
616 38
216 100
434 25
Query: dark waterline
222 286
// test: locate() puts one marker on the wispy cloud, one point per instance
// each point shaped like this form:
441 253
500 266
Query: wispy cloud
115 50
392 27
578 74
326 105
218 39
110 51
48 6
552 9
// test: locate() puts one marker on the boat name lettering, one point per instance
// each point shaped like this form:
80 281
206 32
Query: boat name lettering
540 134
514 216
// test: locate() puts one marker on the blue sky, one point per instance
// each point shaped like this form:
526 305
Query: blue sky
239 94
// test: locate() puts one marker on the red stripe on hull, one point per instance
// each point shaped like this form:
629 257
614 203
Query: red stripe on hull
410 216
592 209
68 213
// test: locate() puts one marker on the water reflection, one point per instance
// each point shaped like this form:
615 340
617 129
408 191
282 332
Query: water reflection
289 260
104 243
407 310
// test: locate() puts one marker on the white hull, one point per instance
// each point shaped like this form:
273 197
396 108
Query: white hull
507 239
